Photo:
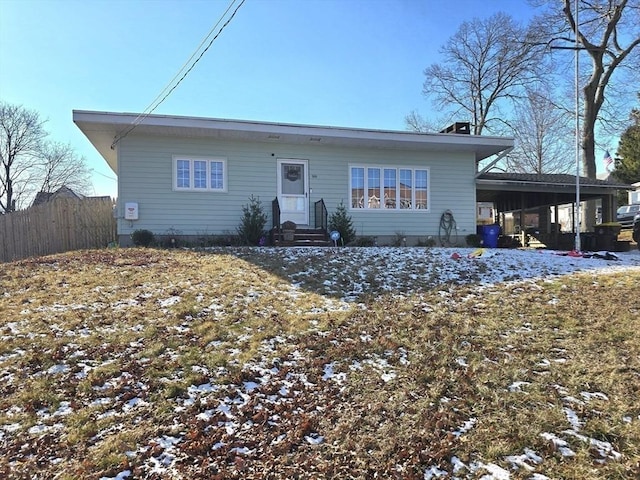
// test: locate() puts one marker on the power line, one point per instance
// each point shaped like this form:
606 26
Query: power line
189 59
103 175
155 104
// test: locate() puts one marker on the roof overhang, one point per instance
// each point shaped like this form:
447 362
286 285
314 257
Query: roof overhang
104 128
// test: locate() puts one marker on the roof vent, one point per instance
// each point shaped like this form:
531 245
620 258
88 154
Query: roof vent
458 127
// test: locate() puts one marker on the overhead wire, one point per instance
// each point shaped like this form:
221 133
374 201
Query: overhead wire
171 86
190 58
103 175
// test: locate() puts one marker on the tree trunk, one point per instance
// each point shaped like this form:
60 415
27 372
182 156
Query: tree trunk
10 204
589 164
587 143
593 94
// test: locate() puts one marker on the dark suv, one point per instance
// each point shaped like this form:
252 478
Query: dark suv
636 229
625 214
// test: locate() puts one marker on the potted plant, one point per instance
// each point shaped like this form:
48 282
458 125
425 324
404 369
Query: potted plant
289 231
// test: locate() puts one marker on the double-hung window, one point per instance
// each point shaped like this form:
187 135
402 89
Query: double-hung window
197 174
388 188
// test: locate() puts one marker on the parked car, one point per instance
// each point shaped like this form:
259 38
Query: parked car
625 214
636 229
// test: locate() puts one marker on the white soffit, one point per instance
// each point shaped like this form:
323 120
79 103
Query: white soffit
101 128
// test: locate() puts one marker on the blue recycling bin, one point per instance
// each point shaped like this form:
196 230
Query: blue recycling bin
490 234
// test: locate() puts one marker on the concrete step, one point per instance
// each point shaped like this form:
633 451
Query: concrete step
305 237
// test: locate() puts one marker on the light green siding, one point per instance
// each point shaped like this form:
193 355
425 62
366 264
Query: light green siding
145 176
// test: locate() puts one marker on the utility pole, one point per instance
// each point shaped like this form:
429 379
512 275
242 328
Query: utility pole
577 55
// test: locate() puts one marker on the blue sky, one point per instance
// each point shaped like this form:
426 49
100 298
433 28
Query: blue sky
353 63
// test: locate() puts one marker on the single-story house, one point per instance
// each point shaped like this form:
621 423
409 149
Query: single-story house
192 176
634 195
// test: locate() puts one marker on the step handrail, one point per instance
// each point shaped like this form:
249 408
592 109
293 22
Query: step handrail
276 229
321 215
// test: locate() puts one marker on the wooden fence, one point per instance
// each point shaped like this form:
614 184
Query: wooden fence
58 226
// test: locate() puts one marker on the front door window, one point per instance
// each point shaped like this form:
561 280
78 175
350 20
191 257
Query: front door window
293 191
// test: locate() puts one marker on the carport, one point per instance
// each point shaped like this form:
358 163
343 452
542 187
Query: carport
522 192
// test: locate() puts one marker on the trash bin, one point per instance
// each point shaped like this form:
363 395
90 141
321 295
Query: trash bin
490 234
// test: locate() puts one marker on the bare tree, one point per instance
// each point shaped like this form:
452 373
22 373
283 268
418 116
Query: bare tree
542 134
609 33
61 166
30 163
417 123
485 63
21 136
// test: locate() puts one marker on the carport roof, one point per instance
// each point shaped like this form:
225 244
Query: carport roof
512 191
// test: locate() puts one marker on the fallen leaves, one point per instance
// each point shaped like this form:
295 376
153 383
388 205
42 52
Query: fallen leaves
311 363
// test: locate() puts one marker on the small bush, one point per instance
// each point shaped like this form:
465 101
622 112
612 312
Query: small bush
204 239
251 228
473 240
340 220
364 242
226 239
506 241
171 238
142 238
400 240
428 242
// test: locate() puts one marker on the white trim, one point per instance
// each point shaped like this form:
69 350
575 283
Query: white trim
192 159
397 168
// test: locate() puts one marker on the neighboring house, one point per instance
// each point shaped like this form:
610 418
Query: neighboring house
633 190
486 213
634 195
62 192
193 175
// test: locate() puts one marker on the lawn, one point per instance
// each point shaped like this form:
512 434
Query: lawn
263 363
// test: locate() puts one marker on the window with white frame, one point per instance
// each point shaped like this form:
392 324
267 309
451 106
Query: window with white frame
199 174
388 188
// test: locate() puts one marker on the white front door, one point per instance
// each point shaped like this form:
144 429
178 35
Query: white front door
293 190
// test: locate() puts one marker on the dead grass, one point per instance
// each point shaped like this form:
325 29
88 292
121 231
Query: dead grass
145 348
